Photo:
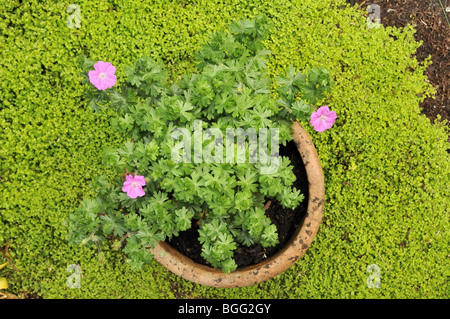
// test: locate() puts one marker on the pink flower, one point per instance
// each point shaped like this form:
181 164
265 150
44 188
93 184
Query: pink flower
133 186
103 76
323 119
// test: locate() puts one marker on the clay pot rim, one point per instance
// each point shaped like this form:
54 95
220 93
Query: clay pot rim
183 266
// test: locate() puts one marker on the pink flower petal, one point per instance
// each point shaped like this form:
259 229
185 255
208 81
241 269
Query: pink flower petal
320 126
136 192
140 191
101 66
140 179
110 81
327 125
103 76
104 84
323 119
332 117
325 109
126 189
133 186
110 69
314 117
93 78
132 193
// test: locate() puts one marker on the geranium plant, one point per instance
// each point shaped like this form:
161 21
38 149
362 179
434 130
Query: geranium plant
163 184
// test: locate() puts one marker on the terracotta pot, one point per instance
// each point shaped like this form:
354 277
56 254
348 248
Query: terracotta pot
181 265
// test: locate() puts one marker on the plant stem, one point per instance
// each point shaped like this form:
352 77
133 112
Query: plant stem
445 14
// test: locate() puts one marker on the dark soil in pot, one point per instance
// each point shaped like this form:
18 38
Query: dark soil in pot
287 222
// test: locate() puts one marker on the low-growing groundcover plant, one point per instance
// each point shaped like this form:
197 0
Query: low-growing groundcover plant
161 189
385 165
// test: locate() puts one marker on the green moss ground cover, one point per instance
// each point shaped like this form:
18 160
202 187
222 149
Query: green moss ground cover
386 167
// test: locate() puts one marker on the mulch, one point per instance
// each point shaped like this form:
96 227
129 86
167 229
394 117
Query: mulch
430 20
